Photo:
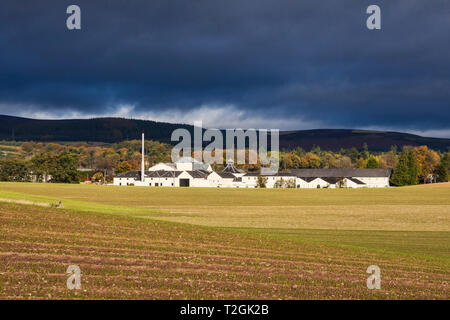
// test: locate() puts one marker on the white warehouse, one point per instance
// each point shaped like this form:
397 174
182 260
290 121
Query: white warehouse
195 174
188 172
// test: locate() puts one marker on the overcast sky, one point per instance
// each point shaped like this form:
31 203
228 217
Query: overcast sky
237 63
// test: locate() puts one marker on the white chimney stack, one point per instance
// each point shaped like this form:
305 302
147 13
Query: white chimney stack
142 164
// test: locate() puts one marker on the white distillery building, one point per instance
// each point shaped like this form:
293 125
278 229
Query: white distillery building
188 172
323 178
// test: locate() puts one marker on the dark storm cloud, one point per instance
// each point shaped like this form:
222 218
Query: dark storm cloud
277 59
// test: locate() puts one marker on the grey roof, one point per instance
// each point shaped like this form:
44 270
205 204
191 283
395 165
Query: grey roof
308 179
162 174
356 181
130 174
331 180
200 174
284 174
231 168
279 174
341 173
226 175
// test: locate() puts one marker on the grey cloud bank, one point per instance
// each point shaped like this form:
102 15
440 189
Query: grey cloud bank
290 64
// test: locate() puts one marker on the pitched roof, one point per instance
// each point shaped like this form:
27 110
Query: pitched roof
284 174
308 179
341 173
199 174
226 175
231 168
136 174
279 174
130 174
162 174
331 180
356 181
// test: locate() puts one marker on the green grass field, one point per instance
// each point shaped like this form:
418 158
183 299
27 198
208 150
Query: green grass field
133 242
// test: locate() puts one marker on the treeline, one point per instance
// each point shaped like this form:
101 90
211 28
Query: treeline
60 167
72 162
108 130
412 165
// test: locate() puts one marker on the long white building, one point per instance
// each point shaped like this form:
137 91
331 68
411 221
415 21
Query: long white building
187 172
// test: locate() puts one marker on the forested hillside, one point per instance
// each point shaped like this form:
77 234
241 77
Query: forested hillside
112 130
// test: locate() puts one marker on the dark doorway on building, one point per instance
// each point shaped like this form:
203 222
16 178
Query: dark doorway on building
184 182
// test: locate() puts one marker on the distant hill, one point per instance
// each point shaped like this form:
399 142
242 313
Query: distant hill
93 130
111 130
334 139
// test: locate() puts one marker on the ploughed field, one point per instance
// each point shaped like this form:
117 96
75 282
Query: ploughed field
186 243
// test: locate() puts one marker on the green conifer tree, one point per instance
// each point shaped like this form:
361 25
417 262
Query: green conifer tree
407 170
441 170
372 163
413 168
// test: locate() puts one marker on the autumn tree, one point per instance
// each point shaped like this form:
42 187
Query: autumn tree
299 151
123 166
361 163
328 159
28 148
427 160
387 160
342 162
312 160
296 160
98 177
286 161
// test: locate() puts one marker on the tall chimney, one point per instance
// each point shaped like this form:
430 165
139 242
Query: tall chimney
142 164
